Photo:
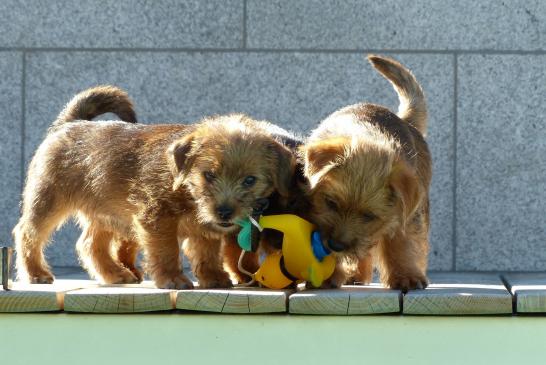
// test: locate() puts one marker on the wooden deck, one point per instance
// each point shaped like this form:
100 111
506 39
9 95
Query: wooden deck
448 294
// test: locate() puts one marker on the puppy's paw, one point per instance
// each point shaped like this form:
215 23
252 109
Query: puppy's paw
41 278
180 281
220 280
408 282
121 276
138 274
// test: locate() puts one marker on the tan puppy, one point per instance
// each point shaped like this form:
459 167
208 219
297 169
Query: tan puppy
369 172
155 185
270 240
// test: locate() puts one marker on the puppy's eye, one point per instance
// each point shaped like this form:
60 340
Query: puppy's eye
368 217
249 181
330 203
209 176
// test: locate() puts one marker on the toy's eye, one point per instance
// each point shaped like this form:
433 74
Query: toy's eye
209 176
368 217
330 203
249 181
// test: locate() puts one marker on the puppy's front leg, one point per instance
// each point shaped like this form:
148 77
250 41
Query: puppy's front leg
162 252
206 261
402 262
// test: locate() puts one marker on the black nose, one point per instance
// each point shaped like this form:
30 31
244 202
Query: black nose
336 245
224 212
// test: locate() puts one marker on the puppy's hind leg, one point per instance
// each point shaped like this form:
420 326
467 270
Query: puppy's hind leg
364 273
94 249
127 252
41 215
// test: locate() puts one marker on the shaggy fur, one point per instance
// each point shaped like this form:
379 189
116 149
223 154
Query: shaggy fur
293 203
369 172
155 185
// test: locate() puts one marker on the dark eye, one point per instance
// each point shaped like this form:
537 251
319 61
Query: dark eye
330 203
209 176
368 217
249 181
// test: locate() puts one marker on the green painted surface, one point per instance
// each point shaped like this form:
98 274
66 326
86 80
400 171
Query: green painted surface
274 339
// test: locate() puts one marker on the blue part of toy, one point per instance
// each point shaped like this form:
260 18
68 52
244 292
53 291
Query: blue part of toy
244 238
319 250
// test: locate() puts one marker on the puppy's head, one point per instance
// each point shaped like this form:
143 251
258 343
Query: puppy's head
229 165
359 191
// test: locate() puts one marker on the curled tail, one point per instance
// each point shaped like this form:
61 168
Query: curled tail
96 101
413 107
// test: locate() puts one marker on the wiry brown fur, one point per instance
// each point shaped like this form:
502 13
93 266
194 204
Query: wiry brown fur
132 183
291 202
369 172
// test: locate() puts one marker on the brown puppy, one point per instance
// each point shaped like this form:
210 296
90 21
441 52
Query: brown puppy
369 172
154 185
293 203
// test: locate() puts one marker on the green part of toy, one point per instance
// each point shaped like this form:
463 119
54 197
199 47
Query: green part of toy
244 238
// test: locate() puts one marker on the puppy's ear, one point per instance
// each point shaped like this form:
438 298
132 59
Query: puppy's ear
405 187
283 174
181 155
319 157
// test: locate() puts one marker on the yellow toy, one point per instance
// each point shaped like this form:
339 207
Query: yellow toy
303 256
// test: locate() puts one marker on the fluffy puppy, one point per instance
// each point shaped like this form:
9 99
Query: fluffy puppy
369 172
155 185
293 203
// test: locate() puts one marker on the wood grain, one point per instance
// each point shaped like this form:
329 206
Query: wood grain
529 290
131 298
349 300
37 297
460 294
236 300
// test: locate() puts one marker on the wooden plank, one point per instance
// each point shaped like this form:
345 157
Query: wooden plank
348 300
460 294
5 264
529 290
129 298
236 300
37 297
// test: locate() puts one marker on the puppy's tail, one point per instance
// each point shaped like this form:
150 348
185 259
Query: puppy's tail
413 107
96 101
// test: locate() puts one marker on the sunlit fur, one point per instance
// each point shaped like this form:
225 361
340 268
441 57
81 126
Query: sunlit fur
130 183
369 174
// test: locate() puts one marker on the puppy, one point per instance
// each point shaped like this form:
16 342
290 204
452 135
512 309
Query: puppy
155 185
293 203
369 172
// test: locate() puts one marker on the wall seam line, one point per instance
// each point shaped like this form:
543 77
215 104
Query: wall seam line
244 24
455 117
23 117
270 50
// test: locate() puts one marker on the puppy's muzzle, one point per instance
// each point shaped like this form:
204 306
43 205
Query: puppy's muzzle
336 246
225 212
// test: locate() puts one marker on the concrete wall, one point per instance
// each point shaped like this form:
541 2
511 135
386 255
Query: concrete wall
482 65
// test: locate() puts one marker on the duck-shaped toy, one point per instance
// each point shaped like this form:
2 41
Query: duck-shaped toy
303 256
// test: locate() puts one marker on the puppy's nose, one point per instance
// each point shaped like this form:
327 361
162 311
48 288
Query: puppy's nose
224 211
336 245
